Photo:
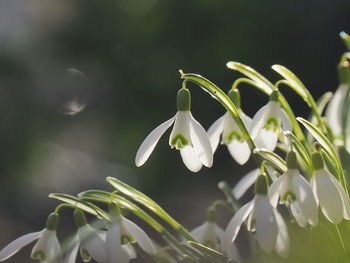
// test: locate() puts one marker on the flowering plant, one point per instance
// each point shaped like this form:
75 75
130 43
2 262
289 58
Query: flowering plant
303 165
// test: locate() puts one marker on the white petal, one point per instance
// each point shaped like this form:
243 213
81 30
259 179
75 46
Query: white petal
286 126
234 225
344 197
150 142
258 122
266 225
246 119
182 128
114 250
140 236
240 151
297 213
71 255
282 243
201 143
130 250
47 248
190 159
219 232
334 110
92 241
243 185
199 232
306 199
329 197
274 190
214 132
267 139
232 253
13 247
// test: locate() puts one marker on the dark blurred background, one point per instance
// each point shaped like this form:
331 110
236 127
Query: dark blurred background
82 83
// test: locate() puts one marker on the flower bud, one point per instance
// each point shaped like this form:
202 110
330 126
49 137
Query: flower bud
344 71
292 160
261 185
79 218
183 100
274 95
235 97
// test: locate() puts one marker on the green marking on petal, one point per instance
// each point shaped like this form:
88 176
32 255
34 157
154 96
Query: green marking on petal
271 124
179 141
85 255
39 255
234 136
288 197
125 239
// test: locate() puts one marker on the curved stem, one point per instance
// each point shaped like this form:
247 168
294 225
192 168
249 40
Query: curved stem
60 206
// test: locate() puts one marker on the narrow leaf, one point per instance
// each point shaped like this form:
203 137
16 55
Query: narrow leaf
208 251
272 159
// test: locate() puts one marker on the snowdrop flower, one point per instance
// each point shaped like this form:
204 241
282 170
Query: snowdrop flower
122 231
46 249
92 243
268 123
230 133
264 219
334 112
188 136
294 190
330 195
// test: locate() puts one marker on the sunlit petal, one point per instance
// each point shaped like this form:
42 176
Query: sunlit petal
345 200
214 132
17 244
190 159
243 185
240 151
257 122
114 250
267 139
150 142
297 213
201 143
266 225
93 243
71 255
47 248
282 243
274 190
140 236
246 119
181 128
285 121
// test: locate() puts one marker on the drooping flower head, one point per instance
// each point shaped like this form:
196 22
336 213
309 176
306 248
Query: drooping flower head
187 136
46 249
330 194
226 128
294 190
268 123
263 219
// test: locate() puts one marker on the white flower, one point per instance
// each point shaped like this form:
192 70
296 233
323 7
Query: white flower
92 243
188 136
208 234
47 249
294 190
264 219
268 123
231 136
329 193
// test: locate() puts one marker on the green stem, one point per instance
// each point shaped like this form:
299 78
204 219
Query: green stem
60 206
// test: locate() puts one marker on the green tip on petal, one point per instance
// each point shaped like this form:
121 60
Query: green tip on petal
52 221
235 97
291 159
317 161
183 100
261 185
274 95
79 218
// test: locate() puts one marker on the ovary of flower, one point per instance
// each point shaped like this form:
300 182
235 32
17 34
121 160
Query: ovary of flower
267 124
294 190
262 217
46 249
330 196
231 135
188 136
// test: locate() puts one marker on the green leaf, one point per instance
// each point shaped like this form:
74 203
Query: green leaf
85 206
327 146
272 159
264 84
295 82
301 150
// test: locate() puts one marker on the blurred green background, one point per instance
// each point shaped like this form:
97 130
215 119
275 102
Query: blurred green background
82 83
